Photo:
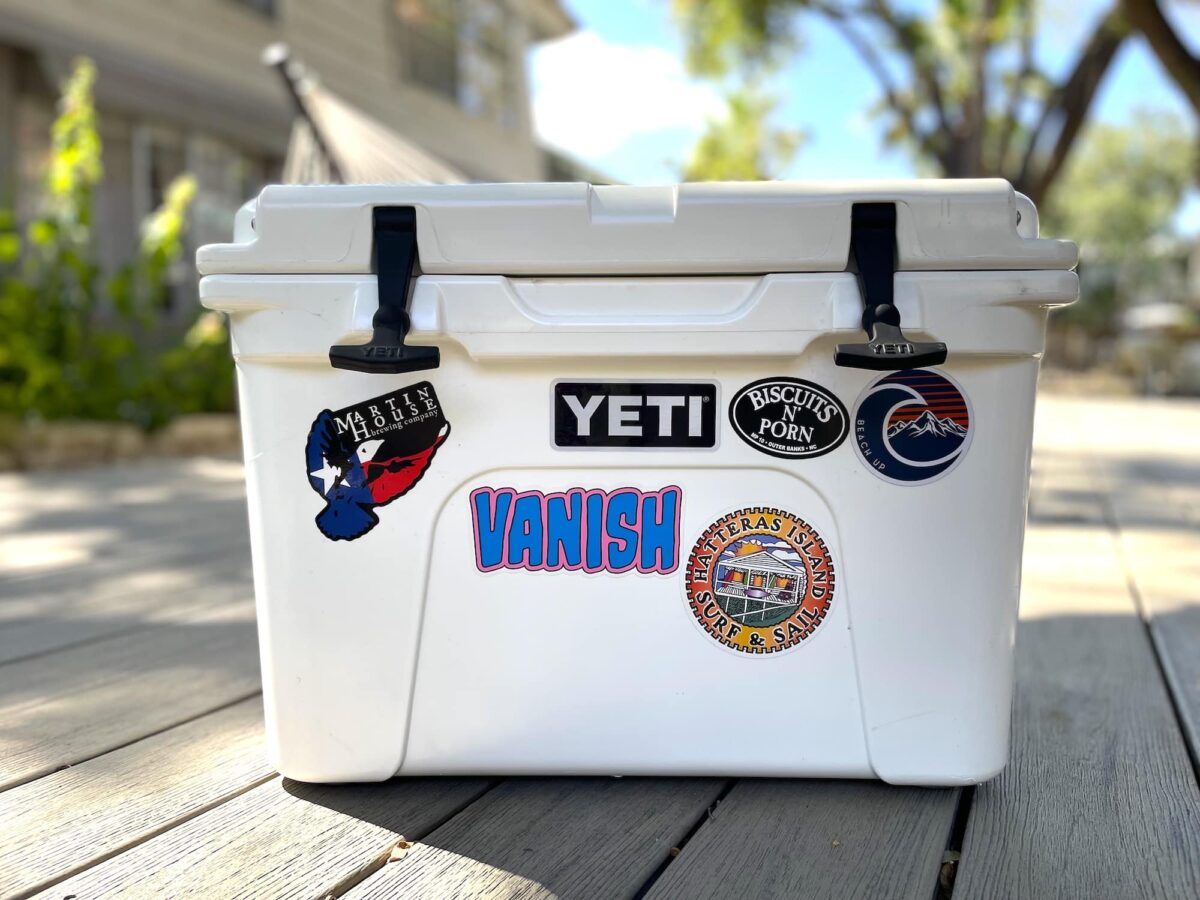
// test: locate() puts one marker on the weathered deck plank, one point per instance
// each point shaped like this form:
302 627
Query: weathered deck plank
815 839
63 529
551 837
107 551
280 840
1155 505
1148 483
1165 568
164 592
1099 798
60 824
70 705
85 554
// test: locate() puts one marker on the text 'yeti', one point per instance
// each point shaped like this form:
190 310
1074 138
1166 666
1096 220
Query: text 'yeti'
590 530
635 414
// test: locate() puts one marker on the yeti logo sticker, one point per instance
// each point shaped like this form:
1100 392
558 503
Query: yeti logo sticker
912 427
789 418
368 454
634 415
760 580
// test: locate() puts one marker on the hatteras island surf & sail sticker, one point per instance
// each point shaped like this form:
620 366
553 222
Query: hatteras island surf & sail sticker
912 427
760 580
366 455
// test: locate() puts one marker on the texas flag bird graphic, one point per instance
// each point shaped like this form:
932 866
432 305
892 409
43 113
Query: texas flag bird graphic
357 464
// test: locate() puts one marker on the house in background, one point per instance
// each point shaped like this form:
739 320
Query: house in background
181 88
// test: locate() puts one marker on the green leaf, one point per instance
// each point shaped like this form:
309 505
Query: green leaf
64 353
743 145
10 247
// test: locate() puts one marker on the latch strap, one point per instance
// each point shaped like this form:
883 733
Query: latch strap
873 245
395 254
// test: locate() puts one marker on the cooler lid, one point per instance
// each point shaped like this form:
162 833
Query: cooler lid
689 229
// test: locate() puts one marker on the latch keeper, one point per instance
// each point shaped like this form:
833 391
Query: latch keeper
395 253
873 243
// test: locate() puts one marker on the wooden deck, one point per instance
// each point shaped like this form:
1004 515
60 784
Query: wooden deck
130 723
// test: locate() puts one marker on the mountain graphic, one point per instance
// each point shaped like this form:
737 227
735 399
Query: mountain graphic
928 423
926 438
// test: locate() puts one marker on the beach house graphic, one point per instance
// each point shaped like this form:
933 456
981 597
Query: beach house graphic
758 584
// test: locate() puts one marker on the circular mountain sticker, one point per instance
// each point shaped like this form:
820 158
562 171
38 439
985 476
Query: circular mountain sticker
912 427
788 418
760 580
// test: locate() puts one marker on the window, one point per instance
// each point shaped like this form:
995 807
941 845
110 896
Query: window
34 116
429 43
263 7
462 49
226 176
488 89
158 159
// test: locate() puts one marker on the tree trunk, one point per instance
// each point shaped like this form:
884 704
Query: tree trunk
1147 17
1067 108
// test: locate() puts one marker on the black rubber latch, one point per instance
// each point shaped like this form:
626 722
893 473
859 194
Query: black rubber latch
873 243
395 252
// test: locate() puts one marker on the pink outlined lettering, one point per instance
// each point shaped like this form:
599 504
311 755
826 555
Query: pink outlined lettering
498 506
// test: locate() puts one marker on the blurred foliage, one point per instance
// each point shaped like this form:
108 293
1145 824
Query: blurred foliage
724 35
742 145
80 342
1117 199
1120 192
960 84
959 81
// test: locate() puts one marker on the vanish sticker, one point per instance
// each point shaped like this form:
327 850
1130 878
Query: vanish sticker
578 530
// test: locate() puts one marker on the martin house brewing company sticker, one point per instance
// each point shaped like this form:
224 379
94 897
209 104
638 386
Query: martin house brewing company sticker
368 454
788 418
760 580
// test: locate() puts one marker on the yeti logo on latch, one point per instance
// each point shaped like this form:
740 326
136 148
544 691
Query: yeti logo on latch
368 454
635 414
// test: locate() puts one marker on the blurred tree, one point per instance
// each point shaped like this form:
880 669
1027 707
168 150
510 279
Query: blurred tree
1117 198
959 84
742 145
1147 16
75 339
1119 193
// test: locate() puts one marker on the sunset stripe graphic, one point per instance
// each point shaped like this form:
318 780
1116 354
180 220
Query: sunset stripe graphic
941 398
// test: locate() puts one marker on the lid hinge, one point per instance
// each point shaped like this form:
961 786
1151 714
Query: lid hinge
873 243
395 253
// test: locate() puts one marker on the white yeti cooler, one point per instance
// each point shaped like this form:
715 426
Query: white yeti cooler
718 479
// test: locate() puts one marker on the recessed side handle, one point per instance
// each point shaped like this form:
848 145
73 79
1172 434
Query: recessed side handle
395 252
873 243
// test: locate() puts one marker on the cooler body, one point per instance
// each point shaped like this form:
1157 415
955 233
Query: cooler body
637 520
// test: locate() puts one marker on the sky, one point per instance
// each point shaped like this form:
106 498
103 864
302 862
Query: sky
616 95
